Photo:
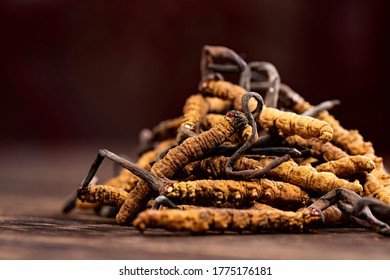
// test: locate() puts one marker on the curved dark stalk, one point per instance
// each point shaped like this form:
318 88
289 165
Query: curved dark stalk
209 69
152 180
375 212
257 174
272 95
210 52
251 79
365 211
254 151
251 116
70 203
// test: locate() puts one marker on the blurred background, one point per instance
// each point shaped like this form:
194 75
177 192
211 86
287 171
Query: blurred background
99 71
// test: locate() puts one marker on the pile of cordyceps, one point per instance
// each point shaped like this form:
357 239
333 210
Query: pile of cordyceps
246 156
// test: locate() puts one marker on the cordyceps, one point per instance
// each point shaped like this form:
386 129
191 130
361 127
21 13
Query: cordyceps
236 194
365 211
190 150
305 177
127 180
235 162
272 119
197 106
113 190
211 219
351 141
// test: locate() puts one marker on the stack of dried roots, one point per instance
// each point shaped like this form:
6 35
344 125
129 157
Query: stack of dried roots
237 162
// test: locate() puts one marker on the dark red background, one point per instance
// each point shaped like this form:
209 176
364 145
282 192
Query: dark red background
99 71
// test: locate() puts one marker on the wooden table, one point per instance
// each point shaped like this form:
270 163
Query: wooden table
36 180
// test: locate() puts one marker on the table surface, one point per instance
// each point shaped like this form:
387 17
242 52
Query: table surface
36 181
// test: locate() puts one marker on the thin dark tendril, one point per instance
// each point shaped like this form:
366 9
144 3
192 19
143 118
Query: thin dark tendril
152 180
251 116
253 151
